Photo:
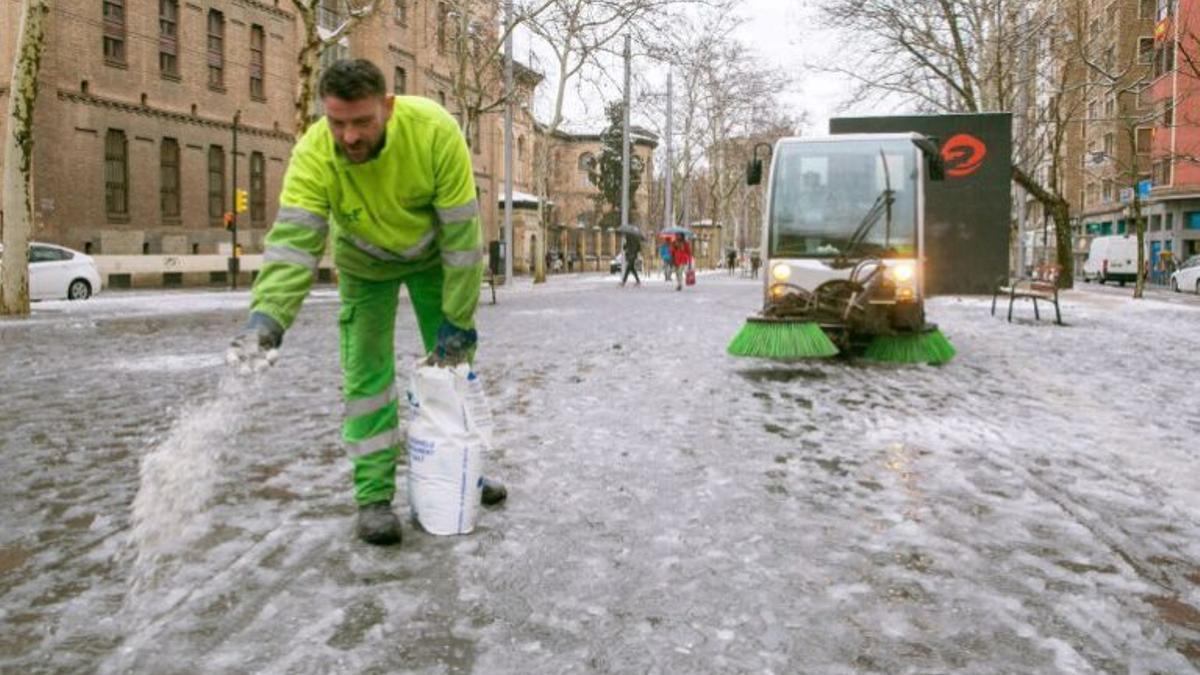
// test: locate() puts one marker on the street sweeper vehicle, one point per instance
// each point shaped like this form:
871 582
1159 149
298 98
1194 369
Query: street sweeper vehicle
844 235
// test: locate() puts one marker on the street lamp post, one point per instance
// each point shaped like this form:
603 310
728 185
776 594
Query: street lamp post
234 263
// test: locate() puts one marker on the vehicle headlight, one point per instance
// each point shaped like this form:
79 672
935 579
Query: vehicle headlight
904 272
781 271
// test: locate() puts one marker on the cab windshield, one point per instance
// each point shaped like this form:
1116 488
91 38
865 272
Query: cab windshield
823 191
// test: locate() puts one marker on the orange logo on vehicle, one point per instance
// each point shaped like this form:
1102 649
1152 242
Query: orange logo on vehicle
963 155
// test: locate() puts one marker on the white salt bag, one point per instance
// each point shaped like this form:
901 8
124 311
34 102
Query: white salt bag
449 429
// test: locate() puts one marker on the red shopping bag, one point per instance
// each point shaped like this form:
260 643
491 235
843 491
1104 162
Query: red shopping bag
691 277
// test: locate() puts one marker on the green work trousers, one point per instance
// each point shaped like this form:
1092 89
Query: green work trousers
366 327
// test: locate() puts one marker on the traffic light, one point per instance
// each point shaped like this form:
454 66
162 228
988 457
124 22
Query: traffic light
228 219
240 200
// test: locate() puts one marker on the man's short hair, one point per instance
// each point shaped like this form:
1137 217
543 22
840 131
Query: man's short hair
352 80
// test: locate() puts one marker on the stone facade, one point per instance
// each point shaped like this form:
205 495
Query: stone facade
134 145
575 232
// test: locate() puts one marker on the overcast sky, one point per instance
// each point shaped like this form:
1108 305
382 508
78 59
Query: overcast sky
783 32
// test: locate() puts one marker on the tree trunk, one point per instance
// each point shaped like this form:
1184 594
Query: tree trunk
1139 226
1061 211
17 202
307 59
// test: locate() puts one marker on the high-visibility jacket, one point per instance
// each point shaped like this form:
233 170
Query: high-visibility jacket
409 208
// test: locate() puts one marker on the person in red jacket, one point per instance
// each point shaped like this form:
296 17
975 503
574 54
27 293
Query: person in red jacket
681 257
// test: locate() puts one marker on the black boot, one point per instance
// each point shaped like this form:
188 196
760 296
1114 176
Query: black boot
494 492
377 524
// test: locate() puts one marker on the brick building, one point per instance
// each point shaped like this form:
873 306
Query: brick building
1115 144
134 121
1173 210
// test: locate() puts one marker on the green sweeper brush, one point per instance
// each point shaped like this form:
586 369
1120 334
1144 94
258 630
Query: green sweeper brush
782 340
925 347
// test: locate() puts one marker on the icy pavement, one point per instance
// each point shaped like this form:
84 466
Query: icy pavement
1032 507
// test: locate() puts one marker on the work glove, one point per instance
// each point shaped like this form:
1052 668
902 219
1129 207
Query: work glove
454 344
256 348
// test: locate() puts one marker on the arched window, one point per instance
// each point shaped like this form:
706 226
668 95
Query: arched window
586 161
519 169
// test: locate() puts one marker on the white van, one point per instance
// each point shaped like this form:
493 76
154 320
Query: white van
1112 258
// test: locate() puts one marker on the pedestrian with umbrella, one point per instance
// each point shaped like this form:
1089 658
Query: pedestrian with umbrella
632 248
664 252
681 254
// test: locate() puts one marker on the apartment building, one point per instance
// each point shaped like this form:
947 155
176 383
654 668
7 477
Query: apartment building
1173 210
1115 130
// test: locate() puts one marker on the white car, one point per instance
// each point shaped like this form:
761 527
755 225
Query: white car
57 272
1187 277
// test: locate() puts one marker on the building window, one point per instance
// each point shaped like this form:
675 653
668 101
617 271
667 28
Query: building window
400 12
216 50
216 183
586 163
1145 138
257 62
329 15
168 38
116 174
168 172
1164 9
258 188
1145 50
1146 9
443 17
1162 176
1109 143
114 32
400 82
1164 58
441 98
1106 191
519 164
1168 114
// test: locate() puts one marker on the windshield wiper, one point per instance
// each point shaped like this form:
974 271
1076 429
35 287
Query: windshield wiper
881 207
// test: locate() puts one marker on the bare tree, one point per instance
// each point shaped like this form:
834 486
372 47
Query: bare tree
744 203
962 56
690 49
325 24
737 91
16 210
576 33
474 35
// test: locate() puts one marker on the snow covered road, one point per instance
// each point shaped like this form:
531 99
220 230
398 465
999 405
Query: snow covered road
1033 506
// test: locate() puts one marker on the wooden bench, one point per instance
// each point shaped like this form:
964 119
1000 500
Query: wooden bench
1043 285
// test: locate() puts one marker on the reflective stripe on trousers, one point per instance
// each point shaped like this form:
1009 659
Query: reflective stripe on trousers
366 329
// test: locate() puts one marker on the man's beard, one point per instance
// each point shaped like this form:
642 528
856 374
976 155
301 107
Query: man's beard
362 151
